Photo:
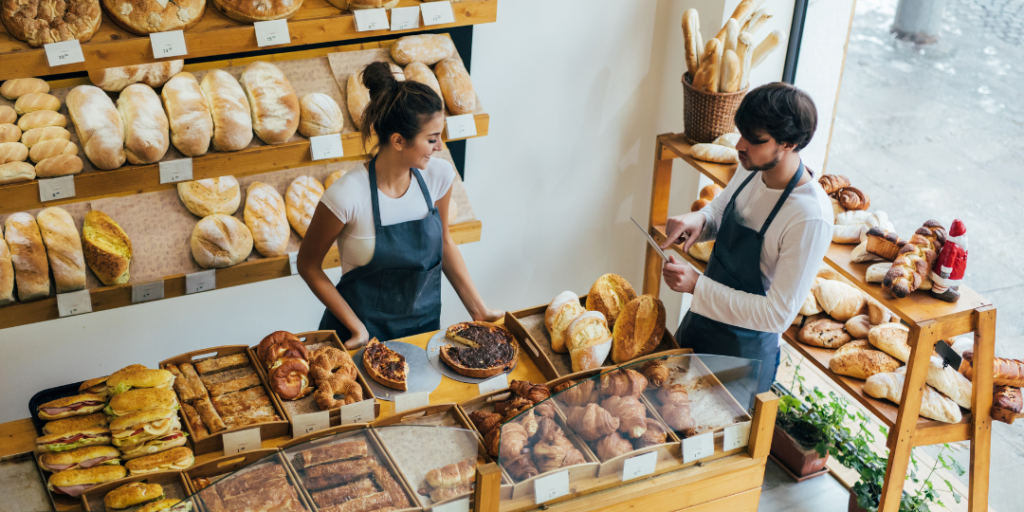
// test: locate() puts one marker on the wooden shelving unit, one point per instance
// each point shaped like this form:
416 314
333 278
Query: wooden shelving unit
316 22
930 320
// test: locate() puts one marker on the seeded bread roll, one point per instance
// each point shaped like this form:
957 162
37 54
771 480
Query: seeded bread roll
274 105
41 118
18 87
153 75
51 148
266 218
13 152
14 172
37 135
232 124
220 241
64 249
61 165
212 195
98 125
426 48
320 115
456 86
300 202
28 255
146 127
188 113
9 132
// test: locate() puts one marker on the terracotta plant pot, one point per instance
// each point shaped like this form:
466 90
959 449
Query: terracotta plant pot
799 460
854 507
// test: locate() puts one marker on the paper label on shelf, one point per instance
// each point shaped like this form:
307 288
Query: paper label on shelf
173 171
52 189
272 33
736 436
200 281
461 127
359 412
74 303
698 447
293 258
641 465
303 424
495 383
371 19
408 401
551 487
168 44
454 506
437 13
64 52
147 291
243 441
323 147
405 18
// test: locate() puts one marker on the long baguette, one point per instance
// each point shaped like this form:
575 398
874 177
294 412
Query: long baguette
714 70
691 30
1005 372
732 31
770 43
745 51
757 20
742 13
701 78
731 72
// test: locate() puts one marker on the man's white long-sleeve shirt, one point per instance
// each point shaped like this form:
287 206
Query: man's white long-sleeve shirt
791 253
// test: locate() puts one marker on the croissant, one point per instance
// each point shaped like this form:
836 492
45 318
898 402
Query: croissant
512 408
485 421
492 442
535 393
551 455
674 395
545 409
833 183
529 422
852 198
591 422
623 383
513 440
655 434
520 467
631 413
612 445
678 417
656 373
579 394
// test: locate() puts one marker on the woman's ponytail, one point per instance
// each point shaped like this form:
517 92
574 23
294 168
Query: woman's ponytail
395 106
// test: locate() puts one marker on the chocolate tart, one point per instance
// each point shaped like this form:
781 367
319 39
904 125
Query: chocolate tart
490 349
386 366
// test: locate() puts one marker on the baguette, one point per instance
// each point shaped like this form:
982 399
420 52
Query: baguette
28 255
18 87
933 405
757 20
146 127
61 165
41 118
1005 372
691 28
6 274
51 148
188 113
713 70
9 132
8 114
64 248
770 43
948 381
232 121
13 152
741 14
456 86
732 32
14 172
745 51
714 153
731 72
37 135
98 125
272 100
36 101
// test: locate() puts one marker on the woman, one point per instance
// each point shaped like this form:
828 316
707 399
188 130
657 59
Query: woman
390 221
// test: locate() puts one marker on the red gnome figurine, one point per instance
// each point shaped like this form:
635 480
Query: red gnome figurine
949 267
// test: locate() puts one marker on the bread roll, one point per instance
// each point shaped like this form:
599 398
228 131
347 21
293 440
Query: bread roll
273 103
51 148
933 405
810 306
638 329
891 338
37 135
859 326
265 215
212 195
879 314
588 340
767 46
28 256
419 72
146 127
14 172
13 152
36 101
41 118
153 75
300 202
8 115
6 274
702 250
64 248
61 165
188 113
428 49
860 360
9 132
715 153
608 295
560 313
823 332
98 125
108 251
232 123
18 87
320 115
840 300
456 86
357 96
728 140
333 177
220 241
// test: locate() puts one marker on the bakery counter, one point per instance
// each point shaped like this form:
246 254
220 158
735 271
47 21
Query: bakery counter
317 21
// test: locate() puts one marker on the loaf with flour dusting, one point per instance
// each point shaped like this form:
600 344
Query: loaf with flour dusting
28 255
188 113
267 220
146 128
272 100
98 125
456 86
153 75
64 249
232 122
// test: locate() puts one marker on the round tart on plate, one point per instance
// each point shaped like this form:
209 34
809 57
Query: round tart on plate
489 350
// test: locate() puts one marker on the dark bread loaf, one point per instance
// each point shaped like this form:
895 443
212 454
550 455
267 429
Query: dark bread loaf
1006 404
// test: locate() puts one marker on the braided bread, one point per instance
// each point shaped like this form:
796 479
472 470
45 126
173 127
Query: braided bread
852 198
336 385
914 260
833 183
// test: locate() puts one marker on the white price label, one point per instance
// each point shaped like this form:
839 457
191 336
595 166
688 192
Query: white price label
550 487
461 127
453 506
272 33
293 258
52 189
74 303
495 383
241 442
409 401
405 18
303 424
200 281
147 291
359 412
736 436
323 147
168 44
698 447
371 19
173 171
64 52
641 465
437 13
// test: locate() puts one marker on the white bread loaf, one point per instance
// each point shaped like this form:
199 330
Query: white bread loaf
36 101
188 113
428 49
220 241
60 165
13 152
840 300
6 273
811 306
560 313
9 132
267 220
212 195
860 360
320 115
98 125
456 86
8 115
933 405
37 135
146 128
232 121
891 338
51 148
950 382
589 341
64 249
300 202
715 153
153 75
41 118
28 256
357 96
875 273
272 102
14 172
420 72
17 87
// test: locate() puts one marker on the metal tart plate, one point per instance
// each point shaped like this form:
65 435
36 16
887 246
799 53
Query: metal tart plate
437 341
422 377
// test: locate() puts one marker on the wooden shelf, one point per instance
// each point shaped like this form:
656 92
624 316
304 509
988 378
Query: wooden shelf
677 144
658 233
316 22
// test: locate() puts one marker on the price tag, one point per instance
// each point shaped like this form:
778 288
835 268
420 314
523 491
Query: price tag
461 127
408 401
405 18
168 44
200 281
493 384
272 33
241 442
323 147
293 257
550 487
698 447
359 412
147 291
173 171
52 189
437 13
641 465
74 303
303 424
64 52
453 506
736 436
371 19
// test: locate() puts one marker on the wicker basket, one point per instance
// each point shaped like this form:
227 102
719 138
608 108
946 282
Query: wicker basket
708 115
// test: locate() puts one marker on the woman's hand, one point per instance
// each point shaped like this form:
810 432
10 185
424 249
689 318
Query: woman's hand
680 276
489 315
684 228
358 339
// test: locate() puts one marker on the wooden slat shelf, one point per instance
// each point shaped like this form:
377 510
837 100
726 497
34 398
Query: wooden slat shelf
316 22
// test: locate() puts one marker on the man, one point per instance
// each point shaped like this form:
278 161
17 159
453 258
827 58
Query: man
771 225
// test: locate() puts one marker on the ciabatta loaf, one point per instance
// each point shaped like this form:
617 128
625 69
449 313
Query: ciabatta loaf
188 113
146 128
272 100
98 125
232 122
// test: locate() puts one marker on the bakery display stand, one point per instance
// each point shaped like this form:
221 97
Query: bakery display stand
930 320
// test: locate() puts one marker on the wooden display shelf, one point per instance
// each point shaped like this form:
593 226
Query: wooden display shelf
316 22
658 233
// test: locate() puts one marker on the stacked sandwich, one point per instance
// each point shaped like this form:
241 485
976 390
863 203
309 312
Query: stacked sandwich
144 420
148 497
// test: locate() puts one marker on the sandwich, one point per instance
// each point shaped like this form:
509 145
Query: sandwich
75 423
78 405
134 378
76 481
97 386
133 495
141 400
80 458
169 505
175 459
172 439
135 428
74 439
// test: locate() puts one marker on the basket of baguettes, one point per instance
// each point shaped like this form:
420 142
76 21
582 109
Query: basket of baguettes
718 73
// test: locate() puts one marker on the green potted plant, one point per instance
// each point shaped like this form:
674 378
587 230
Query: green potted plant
798 431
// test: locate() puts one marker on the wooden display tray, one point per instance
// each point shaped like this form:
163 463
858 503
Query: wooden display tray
234 463
316 22
215 441
313 338
173 482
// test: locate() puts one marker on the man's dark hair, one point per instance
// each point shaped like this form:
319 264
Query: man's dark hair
780 110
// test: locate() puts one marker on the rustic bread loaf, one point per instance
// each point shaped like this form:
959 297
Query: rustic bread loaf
456 86
319 115
859 327
948 381
146 127
153 75
331 178
232 124
249 12
840 300
638 329
143 17
272 100
300 202
98 125
823 332
28 256
891 338
860 360
17 87
220 241
357 96
428 49
42 22
933 405
608 295
107 248
267 220
212 195
64 248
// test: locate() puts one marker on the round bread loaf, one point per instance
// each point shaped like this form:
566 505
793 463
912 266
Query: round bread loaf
300 202
40 22
320 115
638 329
248 12
220 241
18 87
589 341
823 332
212 195
609 294
144 17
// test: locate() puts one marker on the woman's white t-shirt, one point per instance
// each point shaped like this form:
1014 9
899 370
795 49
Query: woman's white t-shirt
349 199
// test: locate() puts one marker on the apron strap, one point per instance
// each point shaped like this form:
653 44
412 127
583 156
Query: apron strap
372 171
423 188
785 195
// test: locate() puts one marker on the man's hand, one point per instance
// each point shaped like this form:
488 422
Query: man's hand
680 276
684 228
